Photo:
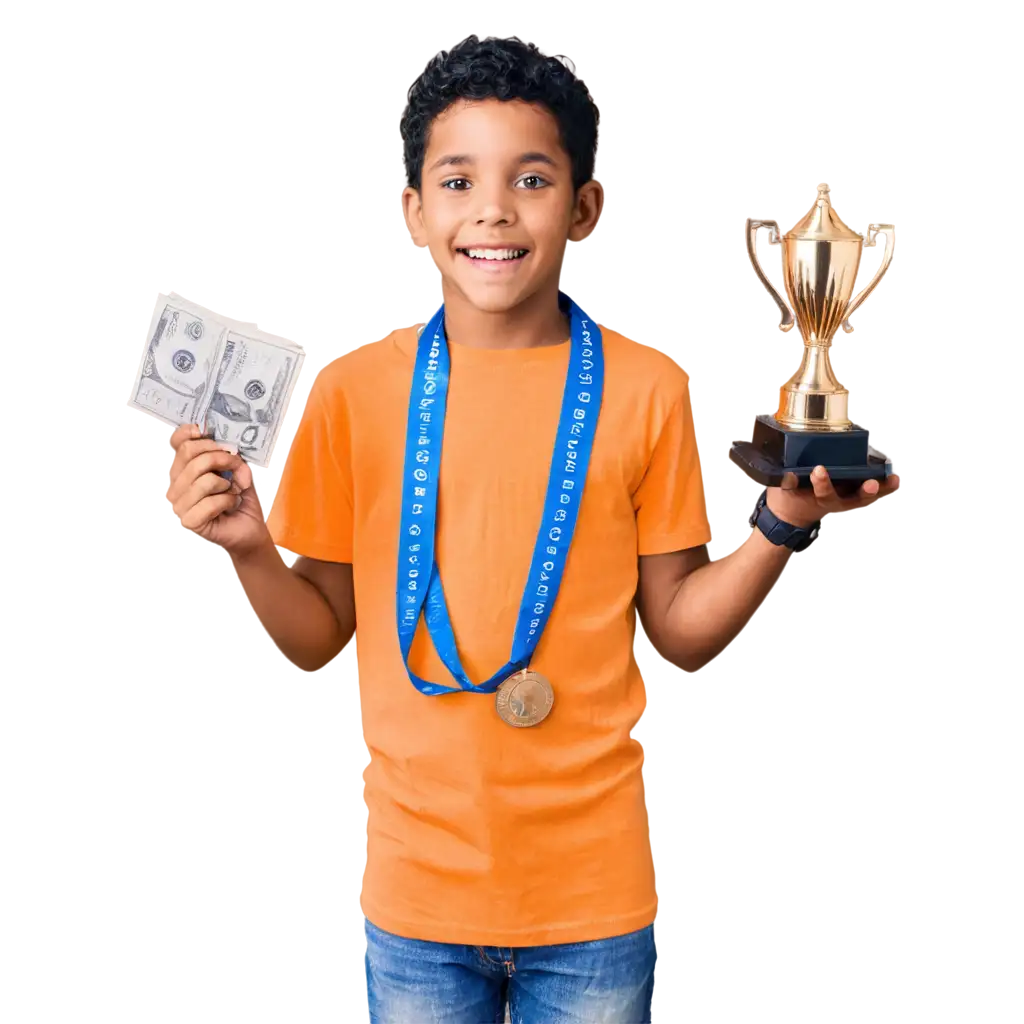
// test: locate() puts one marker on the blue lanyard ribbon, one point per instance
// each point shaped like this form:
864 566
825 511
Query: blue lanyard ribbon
419 583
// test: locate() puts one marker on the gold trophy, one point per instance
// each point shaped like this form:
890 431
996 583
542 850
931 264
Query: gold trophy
820 257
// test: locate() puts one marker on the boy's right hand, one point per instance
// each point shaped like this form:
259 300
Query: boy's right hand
225 512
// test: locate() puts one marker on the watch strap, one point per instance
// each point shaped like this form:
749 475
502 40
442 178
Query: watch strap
779 532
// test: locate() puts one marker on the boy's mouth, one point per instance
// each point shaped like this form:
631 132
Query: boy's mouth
492 255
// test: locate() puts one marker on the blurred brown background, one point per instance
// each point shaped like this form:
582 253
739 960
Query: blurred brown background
178 815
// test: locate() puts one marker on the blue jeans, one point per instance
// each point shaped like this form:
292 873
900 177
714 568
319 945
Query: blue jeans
411 981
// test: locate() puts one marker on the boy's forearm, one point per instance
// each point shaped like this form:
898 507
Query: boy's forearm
292 610
715 601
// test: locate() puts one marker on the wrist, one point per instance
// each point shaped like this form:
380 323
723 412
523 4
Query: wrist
781 531
781 509
761 543
254 552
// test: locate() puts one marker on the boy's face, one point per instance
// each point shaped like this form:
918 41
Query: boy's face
497 204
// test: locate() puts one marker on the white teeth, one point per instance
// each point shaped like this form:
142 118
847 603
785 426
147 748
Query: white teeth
495 254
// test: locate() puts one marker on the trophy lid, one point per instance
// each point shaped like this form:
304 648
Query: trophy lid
822 223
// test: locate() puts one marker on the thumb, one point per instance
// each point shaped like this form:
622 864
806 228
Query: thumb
255 487
241 474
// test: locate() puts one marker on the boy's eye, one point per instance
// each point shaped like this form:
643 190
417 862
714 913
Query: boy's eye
532 182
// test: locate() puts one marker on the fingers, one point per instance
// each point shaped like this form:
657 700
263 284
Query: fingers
188 450
207 485
208 463
208 495
871 488
790 481
188 441
209 508
242 474
823 489
197 492
186 432
868 492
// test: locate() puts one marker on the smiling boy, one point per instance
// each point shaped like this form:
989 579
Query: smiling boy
496 577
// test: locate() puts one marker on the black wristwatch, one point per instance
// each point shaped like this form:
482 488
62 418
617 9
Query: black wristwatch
795 537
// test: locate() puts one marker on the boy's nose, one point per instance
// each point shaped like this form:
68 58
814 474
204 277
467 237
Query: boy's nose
493 210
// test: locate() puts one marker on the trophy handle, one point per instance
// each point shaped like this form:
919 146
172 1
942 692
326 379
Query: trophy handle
774 238
890 242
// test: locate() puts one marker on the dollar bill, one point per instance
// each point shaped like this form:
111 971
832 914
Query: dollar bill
227 375
183 350
251 392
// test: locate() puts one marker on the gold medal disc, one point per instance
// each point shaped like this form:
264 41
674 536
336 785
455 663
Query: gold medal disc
524 699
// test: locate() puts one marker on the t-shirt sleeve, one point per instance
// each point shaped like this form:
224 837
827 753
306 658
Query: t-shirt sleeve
669 501
312 513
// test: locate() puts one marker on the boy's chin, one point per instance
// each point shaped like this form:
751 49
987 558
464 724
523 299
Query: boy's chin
498 299
493 303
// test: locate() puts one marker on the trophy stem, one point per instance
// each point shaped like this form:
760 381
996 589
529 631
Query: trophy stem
815 374
812 399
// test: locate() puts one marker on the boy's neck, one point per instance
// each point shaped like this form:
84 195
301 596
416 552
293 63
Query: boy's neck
534 323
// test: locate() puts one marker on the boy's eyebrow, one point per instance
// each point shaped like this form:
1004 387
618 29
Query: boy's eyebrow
461 159
536 158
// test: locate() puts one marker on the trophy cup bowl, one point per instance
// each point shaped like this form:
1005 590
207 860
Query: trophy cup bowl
820 259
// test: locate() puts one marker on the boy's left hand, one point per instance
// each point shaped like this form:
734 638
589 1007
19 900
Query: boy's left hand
805 506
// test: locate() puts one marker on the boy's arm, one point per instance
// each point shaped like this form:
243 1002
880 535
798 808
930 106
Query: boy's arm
691 608
308 609
334 581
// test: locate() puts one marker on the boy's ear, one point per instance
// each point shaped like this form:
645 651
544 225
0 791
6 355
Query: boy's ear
586 210
412 209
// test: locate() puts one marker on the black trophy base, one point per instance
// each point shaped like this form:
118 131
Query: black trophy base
777 450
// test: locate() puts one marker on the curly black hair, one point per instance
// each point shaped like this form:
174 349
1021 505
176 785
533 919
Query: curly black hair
506 69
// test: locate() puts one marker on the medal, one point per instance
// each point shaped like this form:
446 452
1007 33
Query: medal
524 699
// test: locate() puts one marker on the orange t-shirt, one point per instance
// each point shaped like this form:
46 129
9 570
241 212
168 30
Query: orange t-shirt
479 832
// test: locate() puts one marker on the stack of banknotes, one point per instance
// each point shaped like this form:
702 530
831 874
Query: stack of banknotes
230 377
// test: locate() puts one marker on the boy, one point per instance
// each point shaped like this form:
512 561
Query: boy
505 864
